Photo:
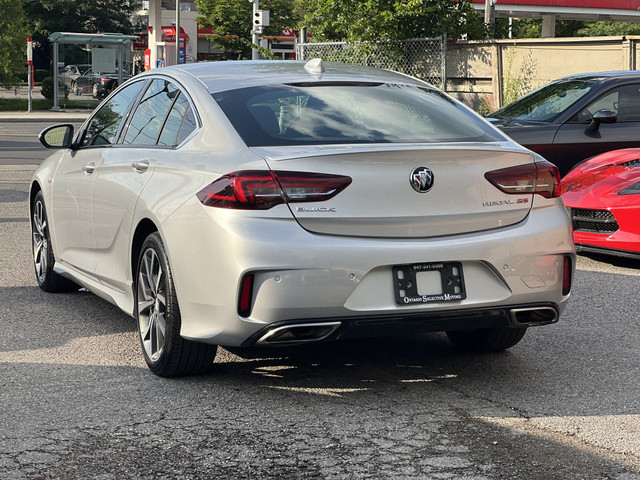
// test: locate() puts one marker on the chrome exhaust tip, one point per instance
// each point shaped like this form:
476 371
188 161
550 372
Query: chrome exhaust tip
300 333
531 316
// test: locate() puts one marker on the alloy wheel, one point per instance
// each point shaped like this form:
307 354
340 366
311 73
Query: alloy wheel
40 242
152 304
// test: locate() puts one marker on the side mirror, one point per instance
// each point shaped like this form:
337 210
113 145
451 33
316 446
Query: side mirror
57 136
602 116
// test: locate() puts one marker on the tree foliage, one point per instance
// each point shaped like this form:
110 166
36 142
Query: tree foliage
373 20
532 28
608 29
231 20
13 43
82 16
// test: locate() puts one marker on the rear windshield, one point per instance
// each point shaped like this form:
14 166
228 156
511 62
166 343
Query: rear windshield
330 113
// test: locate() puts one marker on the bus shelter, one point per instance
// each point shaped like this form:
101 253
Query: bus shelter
117 41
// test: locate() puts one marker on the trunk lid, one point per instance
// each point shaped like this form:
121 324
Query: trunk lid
381 202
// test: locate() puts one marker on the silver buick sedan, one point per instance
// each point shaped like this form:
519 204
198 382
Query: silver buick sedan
281 202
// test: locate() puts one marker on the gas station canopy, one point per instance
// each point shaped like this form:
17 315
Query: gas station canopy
551 10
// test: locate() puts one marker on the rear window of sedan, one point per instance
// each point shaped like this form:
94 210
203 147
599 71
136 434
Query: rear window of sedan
338 113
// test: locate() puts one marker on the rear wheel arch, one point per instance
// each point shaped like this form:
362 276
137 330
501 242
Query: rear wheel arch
157 312
145 228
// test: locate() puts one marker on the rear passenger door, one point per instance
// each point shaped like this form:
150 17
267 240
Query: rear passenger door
148 137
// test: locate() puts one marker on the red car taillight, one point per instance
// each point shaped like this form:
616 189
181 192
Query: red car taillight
261 190
540 177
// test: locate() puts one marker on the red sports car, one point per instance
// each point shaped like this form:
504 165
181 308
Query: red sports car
603 195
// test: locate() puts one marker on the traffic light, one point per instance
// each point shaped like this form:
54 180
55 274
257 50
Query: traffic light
261 18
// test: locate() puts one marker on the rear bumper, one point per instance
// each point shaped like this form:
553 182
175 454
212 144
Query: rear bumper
301 277
338 328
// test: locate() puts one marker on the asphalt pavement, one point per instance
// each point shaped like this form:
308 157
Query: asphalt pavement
77 401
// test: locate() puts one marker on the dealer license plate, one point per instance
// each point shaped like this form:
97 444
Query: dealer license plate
428 283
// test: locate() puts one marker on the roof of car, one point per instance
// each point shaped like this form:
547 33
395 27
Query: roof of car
615 74
221 76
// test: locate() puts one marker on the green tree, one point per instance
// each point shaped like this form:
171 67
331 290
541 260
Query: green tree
606 29
83 16
13 43
231 20
372 20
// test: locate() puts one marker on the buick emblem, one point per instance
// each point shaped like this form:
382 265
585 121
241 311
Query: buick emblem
421 179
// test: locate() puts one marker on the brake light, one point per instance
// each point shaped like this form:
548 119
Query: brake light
261 190
104 79
541 177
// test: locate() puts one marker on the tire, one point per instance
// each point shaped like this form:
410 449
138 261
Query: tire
74 88
167 354
487 339
43 258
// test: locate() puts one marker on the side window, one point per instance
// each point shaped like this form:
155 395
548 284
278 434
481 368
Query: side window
151 112
624 101
104 125
629 103
180 123
188 125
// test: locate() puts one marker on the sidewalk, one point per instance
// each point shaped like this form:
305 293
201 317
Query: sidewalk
44 116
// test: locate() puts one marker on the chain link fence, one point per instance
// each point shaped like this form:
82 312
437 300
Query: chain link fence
423 58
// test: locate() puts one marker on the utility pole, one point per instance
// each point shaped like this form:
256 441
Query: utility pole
490 11
177 32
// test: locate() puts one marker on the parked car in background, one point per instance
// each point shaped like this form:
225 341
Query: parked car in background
84 83
70 73
576 117
99 85
603 195
272 203
105 83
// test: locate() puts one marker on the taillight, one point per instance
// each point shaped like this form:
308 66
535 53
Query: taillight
541 177
566 276
104 79
261 190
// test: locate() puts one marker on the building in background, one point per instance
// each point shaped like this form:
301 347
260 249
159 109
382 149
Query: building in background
193 39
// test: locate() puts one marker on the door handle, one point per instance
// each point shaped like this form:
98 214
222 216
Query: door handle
89 168
140 166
